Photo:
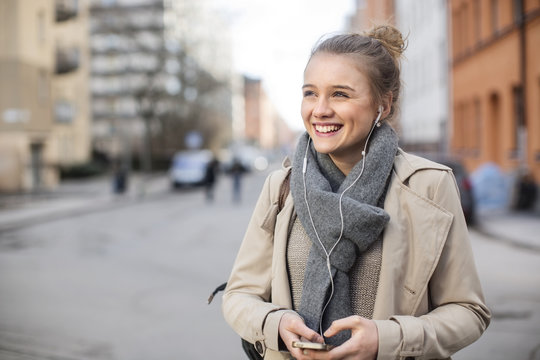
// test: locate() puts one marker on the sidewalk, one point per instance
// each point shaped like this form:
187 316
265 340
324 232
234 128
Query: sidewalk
72 198
520 229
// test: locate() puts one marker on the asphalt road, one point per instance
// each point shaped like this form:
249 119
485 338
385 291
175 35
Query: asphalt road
132 282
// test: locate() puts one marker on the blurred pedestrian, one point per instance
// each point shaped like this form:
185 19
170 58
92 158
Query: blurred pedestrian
237 171
526 192
370 251
120 178
210 178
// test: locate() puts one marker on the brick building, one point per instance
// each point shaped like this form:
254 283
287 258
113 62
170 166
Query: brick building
495 75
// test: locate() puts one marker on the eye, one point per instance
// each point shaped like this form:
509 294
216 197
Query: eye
341 94
308 93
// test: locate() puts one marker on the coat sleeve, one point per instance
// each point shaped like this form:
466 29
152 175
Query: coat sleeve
458 313
246 302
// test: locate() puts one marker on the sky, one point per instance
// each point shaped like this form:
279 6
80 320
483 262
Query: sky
272 40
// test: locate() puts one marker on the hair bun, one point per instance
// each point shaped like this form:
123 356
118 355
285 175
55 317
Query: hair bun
390 37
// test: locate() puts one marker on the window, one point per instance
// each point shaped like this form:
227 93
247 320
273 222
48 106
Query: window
463 30
494 16
518 11
458 127
477 21
64 111
519 140
455 33
493 129
470 127
518 106
477 125
465 27
36 163
43 85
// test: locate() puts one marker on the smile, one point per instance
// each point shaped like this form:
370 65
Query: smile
325 129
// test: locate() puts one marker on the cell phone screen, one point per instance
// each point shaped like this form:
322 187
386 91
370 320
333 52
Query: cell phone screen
311 345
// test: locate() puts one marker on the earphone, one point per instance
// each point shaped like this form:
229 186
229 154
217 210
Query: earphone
327 253
377 120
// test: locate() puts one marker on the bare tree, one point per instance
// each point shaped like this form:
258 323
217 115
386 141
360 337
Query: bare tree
174 94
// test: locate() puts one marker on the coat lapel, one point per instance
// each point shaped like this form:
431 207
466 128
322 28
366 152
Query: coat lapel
412 244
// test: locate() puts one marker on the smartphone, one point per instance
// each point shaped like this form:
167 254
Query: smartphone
311 345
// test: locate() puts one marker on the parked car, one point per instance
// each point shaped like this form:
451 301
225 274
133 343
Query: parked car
465 188
464 184
188 168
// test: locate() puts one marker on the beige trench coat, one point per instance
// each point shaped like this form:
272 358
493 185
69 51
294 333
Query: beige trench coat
429 300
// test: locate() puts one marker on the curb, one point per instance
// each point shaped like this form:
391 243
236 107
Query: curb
505 239
88 207
141 189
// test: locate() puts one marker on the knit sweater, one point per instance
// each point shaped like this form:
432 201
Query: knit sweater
364 274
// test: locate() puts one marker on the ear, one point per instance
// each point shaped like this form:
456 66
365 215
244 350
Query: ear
387 105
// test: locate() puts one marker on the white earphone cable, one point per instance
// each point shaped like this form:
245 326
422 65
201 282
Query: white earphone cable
328 253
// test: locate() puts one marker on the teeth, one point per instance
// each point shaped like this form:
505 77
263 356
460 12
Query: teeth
327 128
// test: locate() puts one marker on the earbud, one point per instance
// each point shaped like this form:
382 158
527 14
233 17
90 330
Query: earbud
377 121
304 166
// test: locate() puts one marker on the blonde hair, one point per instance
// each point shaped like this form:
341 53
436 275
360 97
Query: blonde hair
379 51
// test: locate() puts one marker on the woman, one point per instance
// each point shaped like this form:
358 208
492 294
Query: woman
370 252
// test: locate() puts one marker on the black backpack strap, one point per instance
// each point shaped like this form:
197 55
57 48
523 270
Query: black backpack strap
216 290
284 190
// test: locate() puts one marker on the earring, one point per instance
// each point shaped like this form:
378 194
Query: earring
378 124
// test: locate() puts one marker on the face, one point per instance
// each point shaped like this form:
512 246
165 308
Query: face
337 107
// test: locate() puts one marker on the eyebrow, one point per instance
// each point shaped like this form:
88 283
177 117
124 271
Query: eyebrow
345 87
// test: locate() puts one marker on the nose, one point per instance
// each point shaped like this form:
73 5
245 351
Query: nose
322 108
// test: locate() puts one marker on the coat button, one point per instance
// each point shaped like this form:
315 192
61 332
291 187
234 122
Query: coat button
258 347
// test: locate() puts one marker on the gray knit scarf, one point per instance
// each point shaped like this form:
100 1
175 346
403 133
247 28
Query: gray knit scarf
364 221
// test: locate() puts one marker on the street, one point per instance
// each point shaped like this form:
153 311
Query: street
126 283
132 282
511 281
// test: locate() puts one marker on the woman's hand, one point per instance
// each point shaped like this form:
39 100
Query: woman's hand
363 344
292 328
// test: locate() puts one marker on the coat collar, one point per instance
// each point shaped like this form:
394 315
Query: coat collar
405 165
393 294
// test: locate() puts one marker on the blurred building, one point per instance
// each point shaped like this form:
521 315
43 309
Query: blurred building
424 101
43 93
485 108
70 91
423 116
496 82
263 127
157 75
370 12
